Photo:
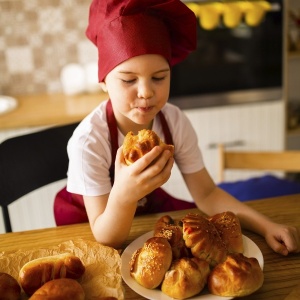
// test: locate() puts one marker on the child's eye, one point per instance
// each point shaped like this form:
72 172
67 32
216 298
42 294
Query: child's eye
128 81
158 78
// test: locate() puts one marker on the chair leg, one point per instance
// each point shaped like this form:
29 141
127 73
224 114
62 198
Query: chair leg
6 219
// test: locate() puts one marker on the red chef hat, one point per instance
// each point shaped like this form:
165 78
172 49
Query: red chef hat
122 29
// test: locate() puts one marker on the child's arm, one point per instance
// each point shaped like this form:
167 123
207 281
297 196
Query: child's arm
211 200
111 215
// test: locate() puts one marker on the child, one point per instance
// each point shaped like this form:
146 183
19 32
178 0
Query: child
138 42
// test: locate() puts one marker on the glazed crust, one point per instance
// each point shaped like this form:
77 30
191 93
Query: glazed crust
37 272
9 287
203 239
149 264
229 228
238 276
60 289
172 230
185 278
136 146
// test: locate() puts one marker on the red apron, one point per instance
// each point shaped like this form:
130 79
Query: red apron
69 208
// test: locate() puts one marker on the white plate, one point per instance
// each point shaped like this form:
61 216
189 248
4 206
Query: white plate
7 104
250 250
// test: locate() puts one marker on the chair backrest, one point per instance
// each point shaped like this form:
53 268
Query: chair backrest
287 161
31 161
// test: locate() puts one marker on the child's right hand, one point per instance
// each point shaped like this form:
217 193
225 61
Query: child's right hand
149 172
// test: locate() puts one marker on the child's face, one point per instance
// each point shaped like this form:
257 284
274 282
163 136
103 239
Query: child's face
138 89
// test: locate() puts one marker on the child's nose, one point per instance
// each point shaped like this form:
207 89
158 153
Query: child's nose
145 91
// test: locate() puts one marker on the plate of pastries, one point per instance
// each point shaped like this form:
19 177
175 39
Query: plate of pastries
196 257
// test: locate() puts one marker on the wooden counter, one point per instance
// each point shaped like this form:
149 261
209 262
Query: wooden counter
43 110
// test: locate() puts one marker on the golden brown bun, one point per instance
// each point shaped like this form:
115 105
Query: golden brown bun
37 272
9 287
136 146
203 239
170 229
229 228
149 264
236 277
186 278
59 289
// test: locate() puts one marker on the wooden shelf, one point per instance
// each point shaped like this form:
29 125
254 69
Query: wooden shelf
295 131
294 54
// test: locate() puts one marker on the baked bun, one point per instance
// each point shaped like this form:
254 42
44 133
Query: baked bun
202 237
149 264
9 287
168 228
229 228
136 146
185 278
60 289
237 276
37 272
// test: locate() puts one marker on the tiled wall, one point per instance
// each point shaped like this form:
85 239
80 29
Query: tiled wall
37 39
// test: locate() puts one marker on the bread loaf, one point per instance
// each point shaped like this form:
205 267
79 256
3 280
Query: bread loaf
149 264
37 272
229 228
237 276
185 278
9 287
203 239
171 230
136 146
60 289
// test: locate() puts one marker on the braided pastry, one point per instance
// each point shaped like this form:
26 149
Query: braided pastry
136 146
203 239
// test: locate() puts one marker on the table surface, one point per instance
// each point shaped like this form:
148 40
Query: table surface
50 109
282 274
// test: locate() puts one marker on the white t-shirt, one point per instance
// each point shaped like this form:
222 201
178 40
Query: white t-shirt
89 149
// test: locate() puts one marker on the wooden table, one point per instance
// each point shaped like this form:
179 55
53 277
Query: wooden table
281 273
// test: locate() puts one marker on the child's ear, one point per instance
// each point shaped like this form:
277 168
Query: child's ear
103 86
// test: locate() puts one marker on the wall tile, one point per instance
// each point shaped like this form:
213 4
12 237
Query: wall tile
37 39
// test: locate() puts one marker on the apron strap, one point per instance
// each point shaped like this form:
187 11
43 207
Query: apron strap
113 131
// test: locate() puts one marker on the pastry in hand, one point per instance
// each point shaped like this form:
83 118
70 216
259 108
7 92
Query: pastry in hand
202 237
229 228
237 276
60 289
9 287
136 146
149 264
172 230
185 278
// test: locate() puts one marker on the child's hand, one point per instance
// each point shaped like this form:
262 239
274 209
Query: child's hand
283 239
145 175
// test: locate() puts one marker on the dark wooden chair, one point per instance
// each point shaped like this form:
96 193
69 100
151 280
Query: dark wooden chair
31 161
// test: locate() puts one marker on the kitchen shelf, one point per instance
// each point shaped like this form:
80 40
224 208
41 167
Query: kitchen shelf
294 54
293 132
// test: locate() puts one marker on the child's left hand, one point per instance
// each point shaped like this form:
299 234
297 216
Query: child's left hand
283 239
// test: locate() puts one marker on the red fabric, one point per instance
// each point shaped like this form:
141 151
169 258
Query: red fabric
124 29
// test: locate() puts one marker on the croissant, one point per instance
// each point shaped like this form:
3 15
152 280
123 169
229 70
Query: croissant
203 239
185 278
229 228
136 146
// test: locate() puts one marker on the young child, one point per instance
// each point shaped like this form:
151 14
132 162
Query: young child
138 42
